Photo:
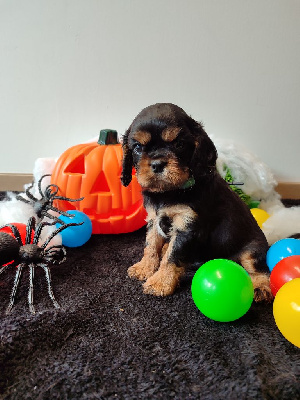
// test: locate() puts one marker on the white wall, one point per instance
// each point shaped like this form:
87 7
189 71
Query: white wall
71 67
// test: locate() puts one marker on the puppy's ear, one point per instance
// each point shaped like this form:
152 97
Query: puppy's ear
205 154
127 162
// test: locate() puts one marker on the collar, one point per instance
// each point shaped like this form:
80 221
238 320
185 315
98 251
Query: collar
189 183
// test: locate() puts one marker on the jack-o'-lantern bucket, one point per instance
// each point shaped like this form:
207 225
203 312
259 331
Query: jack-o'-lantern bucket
93 171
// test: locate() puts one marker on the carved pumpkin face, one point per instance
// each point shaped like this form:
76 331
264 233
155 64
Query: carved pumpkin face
92 171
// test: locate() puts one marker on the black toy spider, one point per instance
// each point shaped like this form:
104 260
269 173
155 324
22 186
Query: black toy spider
31 254
45 203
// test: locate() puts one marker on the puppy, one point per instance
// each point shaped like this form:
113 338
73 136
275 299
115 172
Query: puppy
193 215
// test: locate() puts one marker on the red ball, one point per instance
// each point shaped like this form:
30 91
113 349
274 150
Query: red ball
284 271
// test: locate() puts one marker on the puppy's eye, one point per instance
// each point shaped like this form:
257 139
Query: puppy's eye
179 144
137 148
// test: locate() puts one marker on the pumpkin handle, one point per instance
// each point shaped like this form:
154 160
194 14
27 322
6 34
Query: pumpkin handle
107 137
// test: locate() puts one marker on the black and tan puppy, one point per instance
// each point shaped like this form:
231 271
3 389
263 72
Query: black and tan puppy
193 215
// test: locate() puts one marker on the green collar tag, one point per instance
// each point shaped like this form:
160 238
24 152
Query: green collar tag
189 183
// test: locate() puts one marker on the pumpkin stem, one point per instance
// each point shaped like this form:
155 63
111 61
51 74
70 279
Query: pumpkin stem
108 136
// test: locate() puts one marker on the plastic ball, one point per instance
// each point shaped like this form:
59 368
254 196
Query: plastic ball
283 272
260 216
222 290
75 236
282 249
286 311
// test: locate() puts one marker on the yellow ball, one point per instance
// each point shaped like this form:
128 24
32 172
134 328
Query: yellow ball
260 215
286 311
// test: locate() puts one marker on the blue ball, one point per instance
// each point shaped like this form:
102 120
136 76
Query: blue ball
75 236
282 249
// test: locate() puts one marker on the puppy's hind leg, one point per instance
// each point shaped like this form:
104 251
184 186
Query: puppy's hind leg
257 269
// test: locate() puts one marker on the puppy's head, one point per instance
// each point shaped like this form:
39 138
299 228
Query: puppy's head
167 149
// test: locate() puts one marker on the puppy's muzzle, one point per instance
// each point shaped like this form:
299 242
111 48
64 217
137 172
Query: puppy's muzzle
157 166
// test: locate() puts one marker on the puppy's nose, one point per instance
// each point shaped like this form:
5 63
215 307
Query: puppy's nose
158 166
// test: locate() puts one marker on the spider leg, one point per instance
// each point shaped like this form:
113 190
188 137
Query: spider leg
29 194
40 184
39 228
64 213
29 230
3 268
15 231
14 289
51 191
51 252
49 284
30 290
67 198
30 186
46 214
19 197
38 232
58 230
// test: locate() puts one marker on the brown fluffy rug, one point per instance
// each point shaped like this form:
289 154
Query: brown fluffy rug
110 341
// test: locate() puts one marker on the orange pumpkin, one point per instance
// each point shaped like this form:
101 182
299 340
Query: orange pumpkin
92 171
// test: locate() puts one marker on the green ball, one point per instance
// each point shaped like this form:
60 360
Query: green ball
222 290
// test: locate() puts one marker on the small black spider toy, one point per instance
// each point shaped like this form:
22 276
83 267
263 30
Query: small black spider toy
45 203
13 253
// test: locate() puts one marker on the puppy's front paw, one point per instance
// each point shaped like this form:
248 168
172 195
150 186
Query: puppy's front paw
162 283
158 287
261 285
141 270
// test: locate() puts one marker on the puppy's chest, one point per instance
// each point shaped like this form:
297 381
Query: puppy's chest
168 221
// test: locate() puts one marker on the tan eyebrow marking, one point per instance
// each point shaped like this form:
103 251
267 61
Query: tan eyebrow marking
170 134
143 137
